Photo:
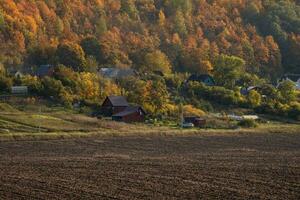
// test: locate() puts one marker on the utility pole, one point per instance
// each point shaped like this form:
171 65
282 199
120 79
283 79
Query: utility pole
40 118
180 112
40 121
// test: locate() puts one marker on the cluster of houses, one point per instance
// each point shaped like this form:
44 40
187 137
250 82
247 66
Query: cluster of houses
120 110
117 73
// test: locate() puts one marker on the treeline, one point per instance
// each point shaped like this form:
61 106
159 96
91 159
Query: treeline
163 35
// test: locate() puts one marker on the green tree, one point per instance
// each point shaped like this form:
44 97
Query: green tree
59 26
157 61
179 24
251 12
5 84
71 55
52 87
33 83
271 93
2 20
287 91
41 55
128 6
2 69
228 69
248 80
101 26
91 47
91 64
159 95
184 5
66 75
254 98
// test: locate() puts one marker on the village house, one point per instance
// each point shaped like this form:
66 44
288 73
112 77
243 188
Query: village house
45 70
113 105
130 114
115 73
246 91
202 78
119 109
295 78
15 73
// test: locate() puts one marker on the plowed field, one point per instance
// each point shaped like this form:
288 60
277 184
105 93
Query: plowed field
237 166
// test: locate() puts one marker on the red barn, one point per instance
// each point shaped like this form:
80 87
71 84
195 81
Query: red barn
130 114
113 105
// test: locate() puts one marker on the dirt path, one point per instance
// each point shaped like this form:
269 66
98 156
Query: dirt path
198 167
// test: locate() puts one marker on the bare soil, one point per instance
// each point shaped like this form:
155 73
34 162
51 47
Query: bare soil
226 166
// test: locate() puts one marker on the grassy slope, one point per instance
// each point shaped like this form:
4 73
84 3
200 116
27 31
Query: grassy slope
59 123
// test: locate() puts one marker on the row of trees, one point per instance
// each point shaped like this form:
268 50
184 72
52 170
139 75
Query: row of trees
160 96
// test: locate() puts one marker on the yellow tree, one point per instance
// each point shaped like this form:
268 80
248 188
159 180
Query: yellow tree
161 18
157 61
89 87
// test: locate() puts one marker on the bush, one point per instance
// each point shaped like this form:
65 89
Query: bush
254 99
202 104
291 110
52 87
248 123
189 110
5 84
175 81
294 111
287 91
216 94
34 84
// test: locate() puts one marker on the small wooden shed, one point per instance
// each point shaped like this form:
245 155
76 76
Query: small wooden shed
19 90
130 114
197 121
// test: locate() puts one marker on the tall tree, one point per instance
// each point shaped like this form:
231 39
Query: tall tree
228 69
157 61
71 55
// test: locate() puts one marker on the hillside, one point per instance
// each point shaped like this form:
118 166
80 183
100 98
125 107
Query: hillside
239 43
266 34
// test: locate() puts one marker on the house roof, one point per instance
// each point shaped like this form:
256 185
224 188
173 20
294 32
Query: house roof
254 88
116 73
15 72
200 77
43 70
118 100
129 110
292 77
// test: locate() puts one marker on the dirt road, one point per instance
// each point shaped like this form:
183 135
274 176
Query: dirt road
195 167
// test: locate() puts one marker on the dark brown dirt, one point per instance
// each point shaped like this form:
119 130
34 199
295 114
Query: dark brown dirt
194 167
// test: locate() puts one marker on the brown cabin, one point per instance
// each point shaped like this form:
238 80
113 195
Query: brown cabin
130 114
197 121
113 105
